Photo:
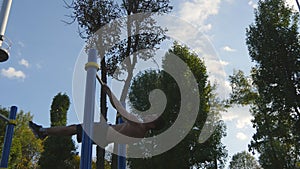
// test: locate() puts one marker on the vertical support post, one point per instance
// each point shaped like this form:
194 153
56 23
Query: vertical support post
121 148
8 137
89 108
6 5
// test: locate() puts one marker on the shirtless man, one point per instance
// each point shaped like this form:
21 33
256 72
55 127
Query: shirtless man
132 127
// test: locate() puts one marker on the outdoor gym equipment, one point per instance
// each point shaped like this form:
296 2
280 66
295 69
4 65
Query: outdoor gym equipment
89 108
11 122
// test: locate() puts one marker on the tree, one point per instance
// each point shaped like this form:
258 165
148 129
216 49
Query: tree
59 152
273 45
26 149
243 160
189 152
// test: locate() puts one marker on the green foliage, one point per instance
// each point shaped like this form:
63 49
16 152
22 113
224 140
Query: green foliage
243 160
145 83
59 151
5 113
59 109
26 149
76 163
274 46
93 15
243 92
189 152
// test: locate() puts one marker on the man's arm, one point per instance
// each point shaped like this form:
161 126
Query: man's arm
117 105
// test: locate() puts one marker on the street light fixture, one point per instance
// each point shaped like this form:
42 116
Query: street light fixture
4 46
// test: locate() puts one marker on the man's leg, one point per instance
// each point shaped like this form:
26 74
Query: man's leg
61 130
42 133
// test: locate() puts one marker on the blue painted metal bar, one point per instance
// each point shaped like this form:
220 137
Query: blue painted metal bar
8 138
4 118
121 151
89 108
121 147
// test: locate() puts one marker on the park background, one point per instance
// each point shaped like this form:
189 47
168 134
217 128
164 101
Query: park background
45 49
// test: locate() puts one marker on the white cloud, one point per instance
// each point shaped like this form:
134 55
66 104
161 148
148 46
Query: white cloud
110 147
293 4
229 117
241 136
240 116
216 67
228 49
217 74
198 11
243 122
13 73
224 63
21 44
252 4
24 63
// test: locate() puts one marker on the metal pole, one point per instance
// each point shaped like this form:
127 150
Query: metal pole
121 151
121 147
4 118
89 108
6 5
8 138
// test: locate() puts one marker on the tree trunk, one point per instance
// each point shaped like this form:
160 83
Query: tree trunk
114 159
216 163
103 106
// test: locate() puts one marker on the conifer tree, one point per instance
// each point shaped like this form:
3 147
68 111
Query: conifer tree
59 152
274 47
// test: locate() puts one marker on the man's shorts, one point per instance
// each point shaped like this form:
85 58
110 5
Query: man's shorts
100 132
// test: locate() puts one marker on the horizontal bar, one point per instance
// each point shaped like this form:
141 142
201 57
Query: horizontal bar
4 118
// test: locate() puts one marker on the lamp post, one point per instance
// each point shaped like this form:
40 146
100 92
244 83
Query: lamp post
4 50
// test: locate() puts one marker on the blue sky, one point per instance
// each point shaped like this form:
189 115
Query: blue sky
45 49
